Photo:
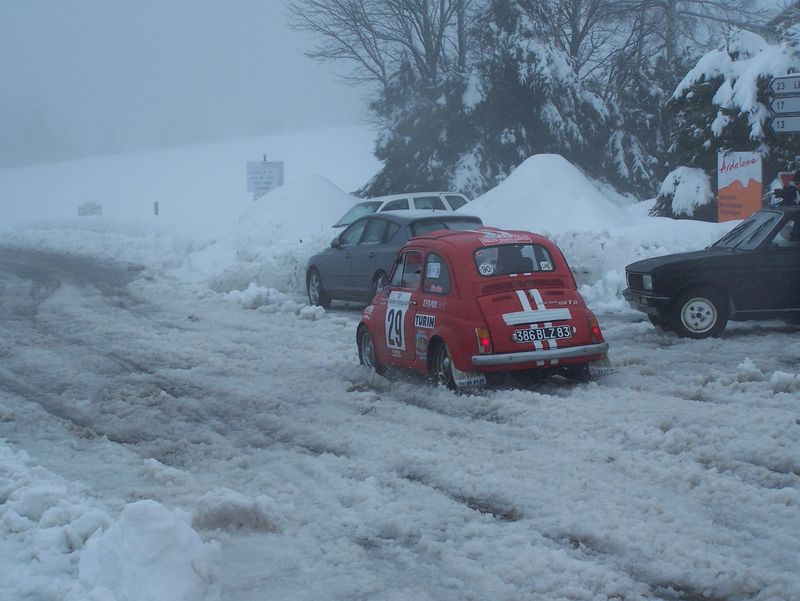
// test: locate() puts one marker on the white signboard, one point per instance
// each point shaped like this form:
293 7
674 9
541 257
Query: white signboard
738 184
786 125
264 176
90 208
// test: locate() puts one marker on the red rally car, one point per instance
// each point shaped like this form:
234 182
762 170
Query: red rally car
461 304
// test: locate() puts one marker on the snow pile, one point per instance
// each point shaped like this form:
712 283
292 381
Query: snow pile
65 547
547 194
295 211
151 554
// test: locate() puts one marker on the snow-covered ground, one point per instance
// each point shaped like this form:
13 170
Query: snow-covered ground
182 426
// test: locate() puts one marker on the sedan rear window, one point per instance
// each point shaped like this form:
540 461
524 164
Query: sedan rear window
506 259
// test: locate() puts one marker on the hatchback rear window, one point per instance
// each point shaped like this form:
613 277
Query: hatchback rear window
506 259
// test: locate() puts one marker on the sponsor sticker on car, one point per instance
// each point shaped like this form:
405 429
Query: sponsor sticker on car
425 321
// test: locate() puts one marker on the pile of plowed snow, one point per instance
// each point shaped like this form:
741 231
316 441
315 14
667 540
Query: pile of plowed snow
296 211
548 194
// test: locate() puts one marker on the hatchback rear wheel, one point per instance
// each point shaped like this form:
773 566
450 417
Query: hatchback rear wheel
366 351
443 366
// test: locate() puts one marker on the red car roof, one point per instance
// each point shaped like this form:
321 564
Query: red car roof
482 236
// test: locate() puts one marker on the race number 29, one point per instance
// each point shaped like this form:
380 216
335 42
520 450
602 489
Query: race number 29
395 317
394 329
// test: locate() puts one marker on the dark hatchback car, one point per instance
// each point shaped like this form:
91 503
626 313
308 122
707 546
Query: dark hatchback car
753 272
356 265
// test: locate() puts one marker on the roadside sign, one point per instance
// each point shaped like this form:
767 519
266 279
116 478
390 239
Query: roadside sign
264 176
783 105
786 84
739 177
90 208
785 125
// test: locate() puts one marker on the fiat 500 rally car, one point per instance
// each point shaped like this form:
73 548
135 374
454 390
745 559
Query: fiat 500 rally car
463 304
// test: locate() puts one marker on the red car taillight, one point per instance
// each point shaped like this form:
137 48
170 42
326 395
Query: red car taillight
484 341
594 328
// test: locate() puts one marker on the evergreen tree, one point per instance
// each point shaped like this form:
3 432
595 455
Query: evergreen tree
721 105
423 128
532 101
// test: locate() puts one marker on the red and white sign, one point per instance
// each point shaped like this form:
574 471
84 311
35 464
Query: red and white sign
739 183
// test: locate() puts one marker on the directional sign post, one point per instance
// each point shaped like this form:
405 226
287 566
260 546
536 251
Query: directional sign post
785 104
786 84
786 125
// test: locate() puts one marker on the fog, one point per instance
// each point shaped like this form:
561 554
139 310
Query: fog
92 77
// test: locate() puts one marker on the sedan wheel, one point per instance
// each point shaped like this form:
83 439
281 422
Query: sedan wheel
316 293
366 351
700 314
443 366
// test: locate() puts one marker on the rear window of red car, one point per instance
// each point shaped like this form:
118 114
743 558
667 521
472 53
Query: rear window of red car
506 259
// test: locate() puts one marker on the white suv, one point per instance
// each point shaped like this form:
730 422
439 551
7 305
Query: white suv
425 201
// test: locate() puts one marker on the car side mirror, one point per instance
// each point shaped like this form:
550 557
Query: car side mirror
336 243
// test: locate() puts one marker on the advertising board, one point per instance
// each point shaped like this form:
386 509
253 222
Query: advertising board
739 182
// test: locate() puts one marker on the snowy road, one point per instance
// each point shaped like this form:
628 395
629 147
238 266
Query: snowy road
676 478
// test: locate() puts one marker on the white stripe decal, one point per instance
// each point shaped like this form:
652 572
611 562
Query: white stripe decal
526 305
542 312
540 302
537 298
539 316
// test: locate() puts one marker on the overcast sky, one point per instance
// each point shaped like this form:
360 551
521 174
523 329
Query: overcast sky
94 77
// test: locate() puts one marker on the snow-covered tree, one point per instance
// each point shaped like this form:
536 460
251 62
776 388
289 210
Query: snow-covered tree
722 105
423 128
525 96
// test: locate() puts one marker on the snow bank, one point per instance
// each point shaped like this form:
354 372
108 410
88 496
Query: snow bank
150 554
63 546
259 260
297 210
547 194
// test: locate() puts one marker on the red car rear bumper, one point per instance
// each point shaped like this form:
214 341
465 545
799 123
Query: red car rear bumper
571 352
